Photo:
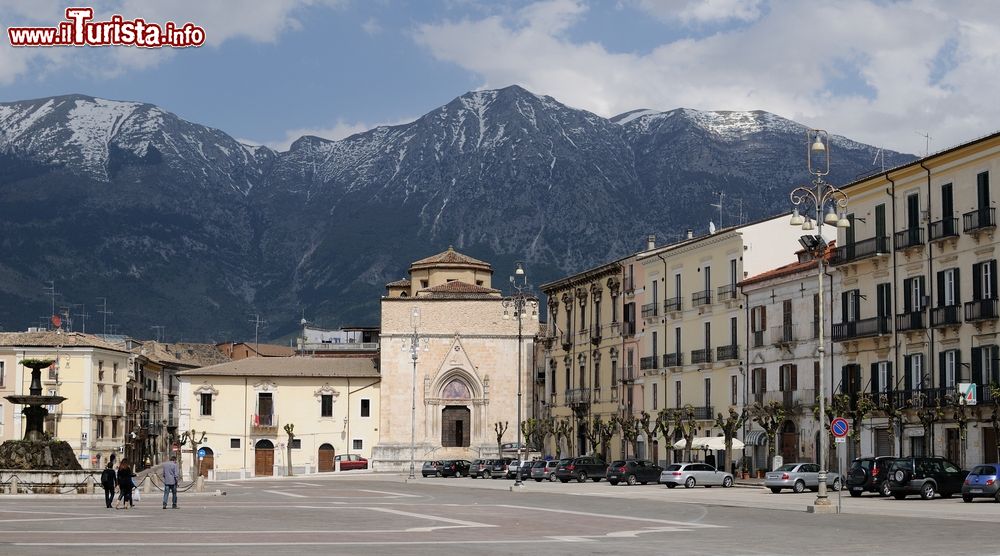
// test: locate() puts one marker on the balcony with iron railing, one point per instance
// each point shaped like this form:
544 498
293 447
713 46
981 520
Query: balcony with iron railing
673 359
703 412
264 423
628 329
876 246
727 292
943 229
724 353
646 363
595 334
650 310
783 334
757 338
979 219
913 237
911 398
151 395
949 315
672 304
628 284
789 398
566 339
864 328
703 297
577 396
699 356
914 320
981 309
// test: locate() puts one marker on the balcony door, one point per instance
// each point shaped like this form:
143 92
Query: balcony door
265 409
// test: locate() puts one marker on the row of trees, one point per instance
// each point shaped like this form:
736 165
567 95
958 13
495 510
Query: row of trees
671 423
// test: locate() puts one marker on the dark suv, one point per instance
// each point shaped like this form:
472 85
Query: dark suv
869 475
925 476
581 468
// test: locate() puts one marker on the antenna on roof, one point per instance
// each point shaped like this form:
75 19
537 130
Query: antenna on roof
257 322
927 141
879 155
159 331
51 290
83 314
104 311
722 196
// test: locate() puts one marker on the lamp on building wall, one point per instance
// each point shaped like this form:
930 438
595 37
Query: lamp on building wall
519 299
820 195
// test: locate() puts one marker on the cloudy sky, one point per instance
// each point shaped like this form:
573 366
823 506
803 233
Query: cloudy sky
882 72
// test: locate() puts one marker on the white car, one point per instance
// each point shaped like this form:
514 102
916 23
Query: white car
694 474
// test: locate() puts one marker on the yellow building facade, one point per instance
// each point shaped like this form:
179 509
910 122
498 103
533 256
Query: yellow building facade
239 411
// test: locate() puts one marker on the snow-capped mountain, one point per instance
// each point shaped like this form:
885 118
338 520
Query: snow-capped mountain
181 224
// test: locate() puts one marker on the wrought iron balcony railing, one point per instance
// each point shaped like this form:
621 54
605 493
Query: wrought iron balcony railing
978 219
701 298
864 328
948 315
909 238
650 310
875 246
646 363
913 320
727 292
673 359
981 309
723 353
943 229
672 304
701 356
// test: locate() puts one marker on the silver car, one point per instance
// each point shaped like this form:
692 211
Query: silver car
694 474
544 470
799 477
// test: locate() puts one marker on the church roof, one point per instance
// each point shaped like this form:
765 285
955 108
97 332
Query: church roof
404 283
457 288
451 258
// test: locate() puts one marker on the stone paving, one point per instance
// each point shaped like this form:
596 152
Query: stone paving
381 514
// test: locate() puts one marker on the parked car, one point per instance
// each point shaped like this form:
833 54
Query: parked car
431 469
543 470
581 469
982 482
694 474
453 468
869 474
481 469
632 471
925 476
524 466
351 461
799 477
500 468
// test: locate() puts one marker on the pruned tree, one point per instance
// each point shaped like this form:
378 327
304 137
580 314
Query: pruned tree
629 426
290 431
730 425
685 422
994 417
928 413
500 427
592 430
546 428
856 409
960 414
893 412
647 424
608 430
530 429
562 432
665 428
769 416
193 437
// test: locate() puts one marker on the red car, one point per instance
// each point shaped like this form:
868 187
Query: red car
351 461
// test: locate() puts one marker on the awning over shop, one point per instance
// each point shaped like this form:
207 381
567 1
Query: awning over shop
755 438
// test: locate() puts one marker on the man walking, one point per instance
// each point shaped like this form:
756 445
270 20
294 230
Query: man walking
108 479
171 477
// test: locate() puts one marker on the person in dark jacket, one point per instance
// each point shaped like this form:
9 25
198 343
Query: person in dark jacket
108 480
125 485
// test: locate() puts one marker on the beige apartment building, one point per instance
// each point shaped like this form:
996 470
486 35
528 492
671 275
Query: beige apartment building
693 347
450 355
916 309
88 371
242 408
589 352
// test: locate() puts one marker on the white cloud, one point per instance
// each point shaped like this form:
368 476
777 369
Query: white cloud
859 68
223 20
703 11
371 27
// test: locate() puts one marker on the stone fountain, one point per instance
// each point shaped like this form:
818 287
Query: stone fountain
35 451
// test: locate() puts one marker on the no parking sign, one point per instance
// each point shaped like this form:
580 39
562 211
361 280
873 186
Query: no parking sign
839 428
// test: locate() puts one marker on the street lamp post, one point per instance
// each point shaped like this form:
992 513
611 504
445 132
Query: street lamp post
519 298
414 348
822 196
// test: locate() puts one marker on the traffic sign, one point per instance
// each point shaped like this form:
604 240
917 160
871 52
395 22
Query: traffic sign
201 452
839 427
968 392
840 440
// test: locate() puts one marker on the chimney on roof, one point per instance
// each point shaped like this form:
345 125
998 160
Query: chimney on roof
690 233
650 242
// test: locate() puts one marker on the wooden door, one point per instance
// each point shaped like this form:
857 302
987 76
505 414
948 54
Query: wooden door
325 459
207 463
263 462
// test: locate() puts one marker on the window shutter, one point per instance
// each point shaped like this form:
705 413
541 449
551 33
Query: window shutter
940 289
890 385
843 306
843 378
908 295
958 287
858 384
857 305
781 378
907 372
941 370
977 365
875 378
763 317
958 366
794 376
993 279
923 292
977 281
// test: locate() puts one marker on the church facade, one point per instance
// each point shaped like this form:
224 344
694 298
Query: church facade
449 356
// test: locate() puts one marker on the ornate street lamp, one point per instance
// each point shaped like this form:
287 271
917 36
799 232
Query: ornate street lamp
519 299
822 196
414 349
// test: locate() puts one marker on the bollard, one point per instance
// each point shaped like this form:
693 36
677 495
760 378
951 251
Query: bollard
336 465
147 484
199 484
92 485
13 485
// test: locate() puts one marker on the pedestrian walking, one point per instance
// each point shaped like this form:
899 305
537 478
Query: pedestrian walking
171 476
108 480
125 485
